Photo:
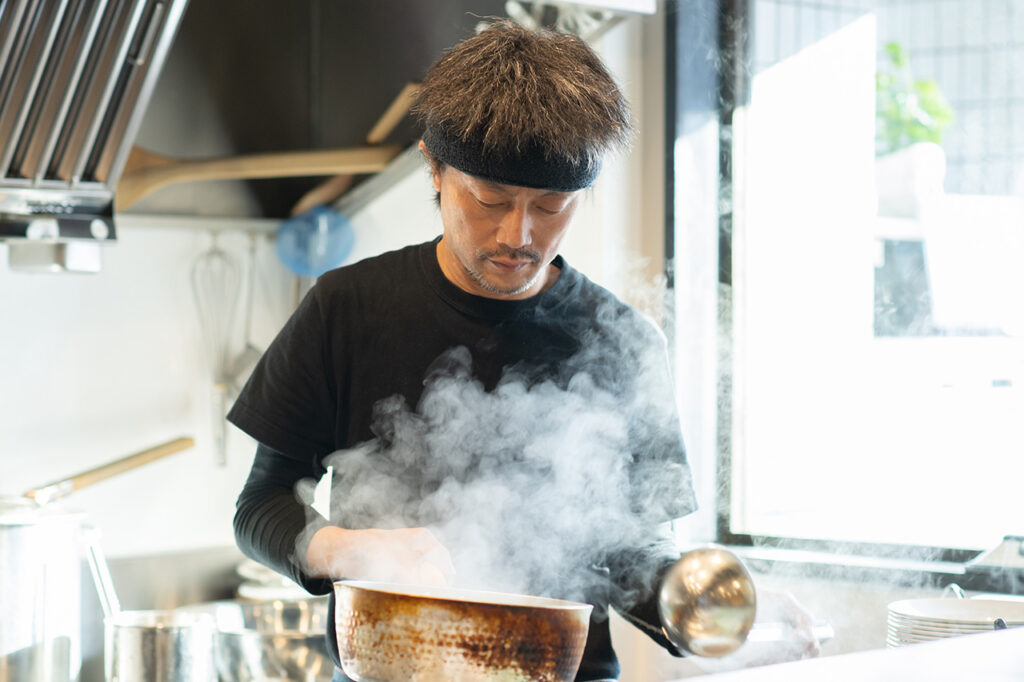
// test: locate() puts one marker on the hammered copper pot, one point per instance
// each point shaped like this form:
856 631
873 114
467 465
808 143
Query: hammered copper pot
401 633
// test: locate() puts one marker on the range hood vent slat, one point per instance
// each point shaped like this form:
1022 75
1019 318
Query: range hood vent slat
59 82
114 127
97 87
27 83
19 78
48 60
11 13
79 81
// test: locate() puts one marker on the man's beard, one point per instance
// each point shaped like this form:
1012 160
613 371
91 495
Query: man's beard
517 254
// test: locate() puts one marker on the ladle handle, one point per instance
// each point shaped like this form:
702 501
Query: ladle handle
776 632
101 573
219 402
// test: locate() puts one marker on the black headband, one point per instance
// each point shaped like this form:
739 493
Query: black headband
526 168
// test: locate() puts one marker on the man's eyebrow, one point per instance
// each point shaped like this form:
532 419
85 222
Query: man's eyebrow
498 187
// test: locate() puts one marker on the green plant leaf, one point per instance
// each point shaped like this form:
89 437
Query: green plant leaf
897 55
907 110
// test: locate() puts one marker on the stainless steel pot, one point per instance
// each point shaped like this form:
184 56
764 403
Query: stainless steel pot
42 545
40 592
396 633
279 639
159 646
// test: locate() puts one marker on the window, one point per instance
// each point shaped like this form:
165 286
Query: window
854 169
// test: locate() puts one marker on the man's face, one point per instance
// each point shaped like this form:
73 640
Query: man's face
499 240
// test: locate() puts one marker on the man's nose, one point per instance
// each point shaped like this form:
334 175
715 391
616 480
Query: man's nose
515 229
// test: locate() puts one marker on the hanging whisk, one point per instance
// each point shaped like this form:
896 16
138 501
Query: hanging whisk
216 280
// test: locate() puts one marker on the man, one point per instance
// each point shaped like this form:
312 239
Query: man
477 386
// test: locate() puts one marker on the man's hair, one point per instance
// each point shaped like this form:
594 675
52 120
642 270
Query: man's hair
518 91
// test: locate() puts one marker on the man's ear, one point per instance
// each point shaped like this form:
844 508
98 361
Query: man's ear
435 166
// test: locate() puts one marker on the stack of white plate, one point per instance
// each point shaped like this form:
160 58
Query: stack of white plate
922 620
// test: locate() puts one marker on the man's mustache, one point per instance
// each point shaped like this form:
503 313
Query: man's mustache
510 254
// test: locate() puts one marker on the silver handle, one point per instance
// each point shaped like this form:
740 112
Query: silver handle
220 429
101 573
775 632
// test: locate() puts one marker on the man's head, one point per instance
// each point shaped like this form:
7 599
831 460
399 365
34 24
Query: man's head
516 124
522 107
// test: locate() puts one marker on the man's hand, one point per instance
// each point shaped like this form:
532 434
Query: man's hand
405 555
797 641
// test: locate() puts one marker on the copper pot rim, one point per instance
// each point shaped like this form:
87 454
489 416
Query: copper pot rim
459 595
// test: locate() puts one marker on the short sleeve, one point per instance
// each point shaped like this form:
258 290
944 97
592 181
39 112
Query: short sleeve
289 402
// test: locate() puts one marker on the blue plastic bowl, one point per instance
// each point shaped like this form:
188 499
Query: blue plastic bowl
315 241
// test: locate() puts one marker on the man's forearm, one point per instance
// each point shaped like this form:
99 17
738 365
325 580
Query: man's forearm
270 520
637 573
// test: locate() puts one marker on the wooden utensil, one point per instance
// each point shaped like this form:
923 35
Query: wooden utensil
334 187
52 491
145 171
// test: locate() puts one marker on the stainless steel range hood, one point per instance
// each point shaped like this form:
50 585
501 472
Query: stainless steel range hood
75 78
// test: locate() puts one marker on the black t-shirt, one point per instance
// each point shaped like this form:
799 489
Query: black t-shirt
396 370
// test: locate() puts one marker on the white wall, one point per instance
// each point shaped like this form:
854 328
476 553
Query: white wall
99 366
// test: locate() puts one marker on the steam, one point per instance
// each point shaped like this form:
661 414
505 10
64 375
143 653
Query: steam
537 483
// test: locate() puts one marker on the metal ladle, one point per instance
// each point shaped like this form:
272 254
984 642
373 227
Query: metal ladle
707 602
242 365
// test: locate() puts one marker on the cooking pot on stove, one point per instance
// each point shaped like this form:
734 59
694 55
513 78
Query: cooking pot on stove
41 550
396 633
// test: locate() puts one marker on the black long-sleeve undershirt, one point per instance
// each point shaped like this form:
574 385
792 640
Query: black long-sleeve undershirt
270 518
